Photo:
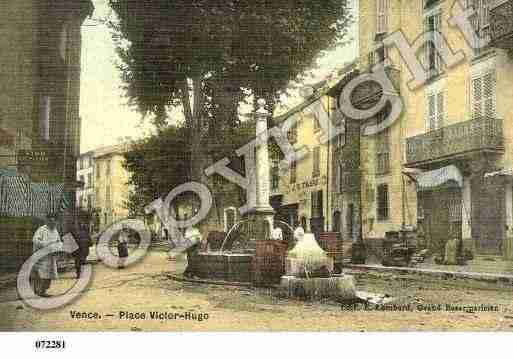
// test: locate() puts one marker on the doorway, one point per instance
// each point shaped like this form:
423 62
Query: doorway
337 222
442 208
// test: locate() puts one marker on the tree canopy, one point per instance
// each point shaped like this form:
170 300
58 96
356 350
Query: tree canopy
259 45
207 56
159 163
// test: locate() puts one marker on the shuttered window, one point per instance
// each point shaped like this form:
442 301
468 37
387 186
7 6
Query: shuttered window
481 18
378 55
292 134
293 172
435 111
317 206
483 95
107 196
340 178
89 202
382 16
382 200
316 162
372 59
316 123
432 62
383 144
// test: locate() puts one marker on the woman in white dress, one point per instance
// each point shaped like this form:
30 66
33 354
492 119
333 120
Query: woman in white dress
46 268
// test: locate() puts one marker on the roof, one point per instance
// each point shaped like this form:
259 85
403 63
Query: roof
86 154
344 75
111 150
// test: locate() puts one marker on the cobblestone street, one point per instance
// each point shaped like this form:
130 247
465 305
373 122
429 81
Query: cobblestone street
146 287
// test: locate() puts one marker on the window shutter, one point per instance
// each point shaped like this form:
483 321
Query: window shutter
372 59
426 49
381 16
484 12
437 27
431 113
382 199
316 161
477 98
440 110
385 15
489 95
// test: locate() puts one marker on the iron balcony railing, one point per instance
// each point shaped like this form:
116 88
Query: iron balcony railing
501 23
469 136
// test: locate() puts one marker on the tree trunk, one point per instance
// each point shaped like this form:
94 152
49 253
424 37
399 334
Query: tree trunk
194 120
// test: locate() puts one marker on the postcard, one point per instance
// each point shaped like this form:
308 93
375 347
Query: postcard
255 166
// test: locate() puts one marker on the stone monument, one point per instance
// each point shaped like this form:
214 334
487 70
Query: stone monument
261 212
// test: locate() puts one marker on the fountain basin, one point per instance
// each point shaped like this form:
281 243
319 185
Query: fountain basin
230 267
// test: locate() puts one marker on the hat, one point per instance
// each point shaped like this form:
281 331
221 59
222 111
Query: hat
52 215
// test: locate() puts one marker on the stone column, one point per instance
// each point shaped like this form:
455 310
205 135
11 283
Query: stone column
262 210
262 160
466 217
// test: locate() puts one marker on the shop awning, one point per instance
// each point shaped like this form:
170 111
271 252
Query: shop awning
19 197
435 178
504 172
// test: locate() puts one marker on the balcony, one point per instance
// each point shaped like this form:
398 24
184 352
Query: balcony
501 22
455 141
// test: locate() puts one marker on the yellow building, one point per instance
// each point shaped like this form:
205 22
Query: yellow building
110 186
454 137
319 190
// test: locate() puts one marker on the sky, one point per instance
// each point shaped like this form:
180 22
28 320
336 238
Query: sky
106 117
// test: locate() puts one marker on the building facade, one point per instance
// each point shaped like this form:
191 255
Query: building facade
39 112
444 166
111 187
302 192
85 176
40 79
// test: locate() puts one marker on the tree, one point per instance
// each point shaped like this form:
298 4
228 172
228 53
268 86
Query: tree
159 163
156 164
214 50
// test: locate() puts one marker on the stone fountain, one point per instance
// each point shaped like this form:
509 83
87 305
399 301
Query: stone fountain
235 260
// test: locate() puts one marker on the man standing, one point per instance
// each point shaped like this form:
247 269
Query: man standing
46 268
193 239
299 232
83 241
123 246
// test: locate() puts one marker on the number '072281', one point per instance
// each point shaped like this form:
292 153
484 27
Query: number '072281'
50 344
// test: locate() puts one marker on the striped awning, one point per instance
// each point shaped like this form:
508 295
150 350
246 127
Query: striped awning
19 197
504 172
438 177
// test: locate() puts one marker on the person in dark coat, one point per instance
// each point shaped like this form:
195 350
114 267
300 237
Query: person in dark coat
122 247
83 241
